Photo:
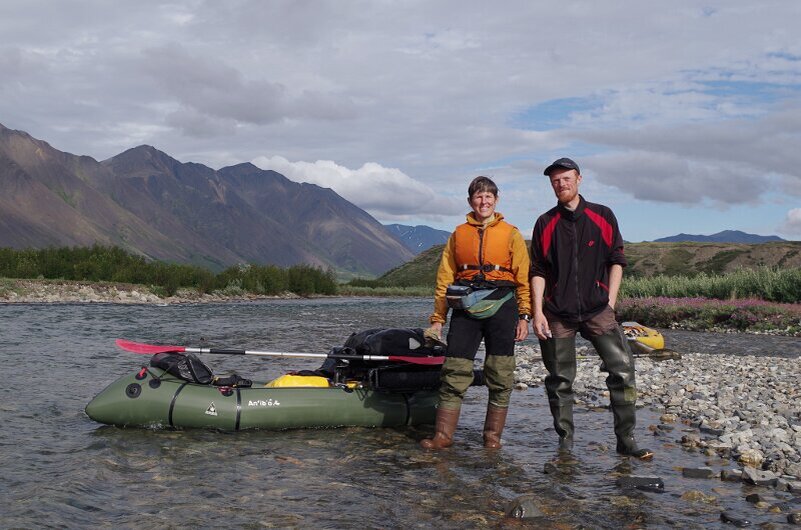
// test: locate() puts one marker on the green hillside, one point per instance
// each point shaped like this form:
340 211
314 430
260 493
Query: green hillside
645 260
420 272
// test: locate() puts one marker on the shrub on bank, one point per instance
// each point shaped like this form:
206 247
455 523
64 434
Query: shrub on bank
113 264
774 285
705 314
350 289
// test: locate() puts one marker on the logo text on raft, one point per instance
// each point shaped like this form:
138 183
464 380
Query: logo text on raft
263 403
212 410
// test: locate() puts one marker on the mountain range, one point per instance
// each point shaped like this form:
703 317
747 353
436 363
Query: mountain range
418 238
726 236
148 203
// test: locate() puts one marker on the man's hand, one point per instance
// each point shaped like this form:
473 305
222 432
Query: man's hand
541 327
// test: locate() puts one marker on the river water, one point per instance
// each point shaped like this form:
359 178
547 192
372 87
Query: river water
62 470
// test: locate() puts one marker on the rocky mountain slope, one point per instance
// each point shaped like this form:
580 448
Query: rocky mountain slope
149 203
418 238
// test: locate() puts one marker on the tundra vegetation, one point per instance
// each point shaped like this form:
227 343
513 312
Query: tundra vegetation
758 299
113 264
755 288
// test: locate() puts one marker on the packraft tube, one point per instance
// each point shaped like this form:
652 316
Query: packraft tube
152 397
643 339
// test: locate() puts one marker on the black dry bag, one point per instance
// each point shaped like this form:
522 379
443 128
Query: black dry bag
183 365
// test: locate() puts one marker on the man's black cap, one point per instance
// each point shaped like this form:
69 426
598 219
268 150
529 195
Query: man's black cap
564 163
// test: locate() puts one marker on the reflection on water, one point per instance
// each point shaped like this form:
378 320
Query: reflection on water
62 469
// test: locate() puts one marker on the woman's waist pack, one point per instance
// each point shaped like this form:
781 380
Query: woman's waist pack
474 301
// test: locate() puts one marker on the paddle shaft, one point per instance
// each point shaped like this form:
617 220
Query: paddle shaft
150 349
217 351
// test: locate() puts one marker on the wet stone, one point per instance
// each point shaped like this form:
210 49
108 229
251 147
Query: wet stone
780 507
668 418
698 472
753 498
690 440
751 457
523 507
734 519
731 475
712 431
758 477
654 484
698 496
794 518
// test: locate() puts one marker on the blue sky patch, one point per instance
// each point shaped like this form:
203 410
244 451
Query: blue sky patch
554 114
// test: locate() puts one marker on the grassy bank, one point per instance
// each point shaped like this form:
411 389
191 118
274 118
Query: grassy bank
747 300
361 290
764 283
112 264
704 314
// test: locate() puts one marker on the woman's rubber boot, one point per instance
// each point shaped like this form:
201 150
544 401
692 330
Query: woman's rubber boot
493 426
625 418
447 419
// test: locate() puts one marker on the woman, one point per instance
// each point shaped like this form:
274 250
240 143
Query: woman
488 256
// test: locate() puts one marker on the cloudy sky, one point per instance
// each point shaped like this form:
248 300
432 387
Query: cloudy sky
685 116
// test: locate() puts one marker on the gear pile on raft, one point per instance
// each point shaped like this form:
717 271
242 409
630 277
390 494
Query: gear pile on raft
386 377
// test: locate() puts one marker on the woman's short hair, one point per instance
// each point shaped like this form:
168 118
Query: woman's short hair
481 184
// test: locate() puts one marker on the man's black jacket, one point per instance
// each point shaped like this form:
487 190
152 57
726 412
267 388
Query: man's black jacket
573 251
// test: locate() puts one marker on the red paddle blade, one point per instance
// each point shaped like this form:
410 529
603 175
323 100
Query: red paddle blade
138 347
418 360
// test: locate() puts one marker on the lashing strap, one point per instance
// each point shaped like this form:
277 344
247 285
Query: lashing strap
487 267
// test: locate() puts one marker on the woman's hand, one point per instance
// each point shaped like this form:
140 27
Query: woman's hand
522 330
435 329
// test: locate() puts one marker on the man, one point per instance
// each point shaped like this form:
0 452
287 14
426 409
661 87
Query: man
577 265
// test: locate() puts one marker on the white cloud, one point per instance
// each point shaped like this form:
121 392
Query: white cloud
212 87
386 193
792 223
677 104
724 162
661 177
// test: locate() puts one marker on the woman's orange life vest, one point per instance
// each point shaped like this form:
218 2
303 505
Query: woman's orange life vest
484 250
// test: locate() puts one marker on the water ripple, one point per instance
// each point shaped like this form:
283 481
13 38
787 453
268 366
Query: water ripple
61 470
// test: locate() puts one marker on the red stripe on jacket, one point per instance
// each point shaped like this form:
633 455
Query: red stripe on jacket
607 232
547 234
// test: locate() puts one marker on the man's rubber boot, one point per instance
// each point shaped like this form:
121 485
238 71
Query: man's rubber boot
563 424
613 348
625 419
559 357
618 362
447 419
493 426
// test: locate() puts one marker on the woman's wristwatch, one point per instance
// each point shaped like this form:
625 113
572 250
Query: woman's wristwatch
523 316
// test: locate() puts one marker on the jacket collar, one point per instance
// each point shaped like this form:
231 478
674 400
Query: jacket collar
573 214
471 219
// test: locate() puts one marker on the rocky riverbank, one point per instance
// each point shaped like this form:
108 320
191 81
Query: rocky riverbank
54 291
746 408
